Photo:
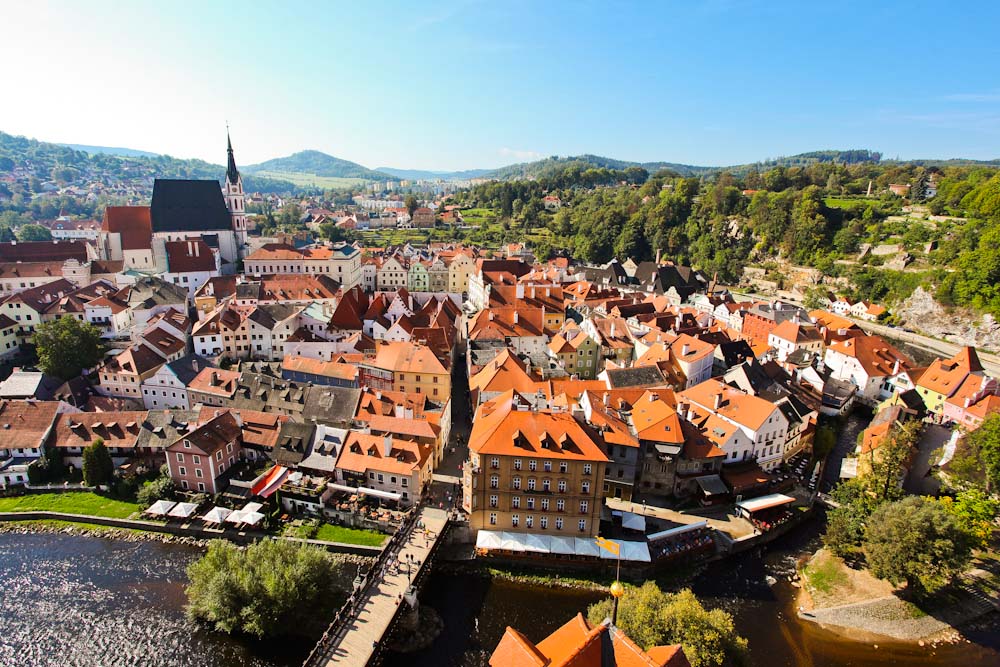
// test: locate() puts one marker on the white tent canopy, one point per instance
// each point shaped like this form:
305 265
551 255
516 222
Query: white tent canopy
182 510
235 517
558 544
160 507
673 532
586 546
511 541
635 551
562 545
488 539
388 495
765 502
216 515
634 521
252 507
536 543
252 518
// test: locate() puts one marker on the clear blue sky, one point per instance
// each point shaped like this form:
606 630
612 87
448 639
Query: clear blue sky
456 85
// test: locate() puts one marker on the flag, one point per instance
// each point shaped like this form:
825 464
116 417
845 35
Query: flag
608 545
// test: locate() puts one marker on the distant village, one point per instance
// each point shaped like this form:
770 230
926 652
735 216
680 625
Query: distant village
542 404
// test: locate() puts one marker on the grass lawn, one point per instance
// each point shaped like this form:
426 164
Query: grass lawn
76 502
331 533
825 574
849 204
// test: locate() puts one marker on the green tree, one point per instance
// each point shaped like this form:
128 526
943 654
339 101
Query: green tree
916 541
262 590
979 462
161 488
976 514
34 233
411 204
651 617
98 468
67 346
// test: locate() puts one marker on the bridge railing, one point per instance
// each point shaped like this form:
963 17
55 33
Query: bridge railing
352 606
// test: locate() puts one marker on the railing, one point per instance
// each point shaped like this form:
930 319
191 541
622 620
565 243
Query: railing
350 608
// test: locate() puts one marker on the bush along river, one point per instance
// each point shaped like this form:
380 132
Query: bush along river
80 601
755 588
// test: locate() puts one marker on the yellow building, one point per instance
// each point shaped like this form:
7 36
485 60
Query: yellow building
414 369
532 471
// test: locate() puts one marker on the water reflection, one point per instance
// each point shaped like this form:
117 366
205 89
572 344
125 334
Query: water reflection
78 601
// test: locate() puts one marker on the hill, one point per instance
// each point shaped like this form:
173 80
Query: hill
422 174
316 163
109 150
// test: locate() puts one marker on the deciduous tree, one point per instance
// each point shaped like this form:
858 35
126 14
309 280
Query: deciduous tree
67 345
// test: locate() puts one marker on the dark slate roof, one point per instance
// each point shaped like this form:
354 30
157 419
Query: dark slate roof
294 442
331 405
188 206
188 366
232 173
249 290
637 376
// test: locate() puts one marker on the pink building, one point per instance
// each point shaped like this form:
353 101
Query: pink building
200 459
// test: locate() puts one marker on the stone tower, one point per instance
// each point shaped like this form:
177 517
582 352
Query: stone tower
235 199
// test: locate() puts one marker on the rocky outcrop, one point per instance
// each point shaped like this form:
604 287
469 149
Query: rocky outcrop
957 325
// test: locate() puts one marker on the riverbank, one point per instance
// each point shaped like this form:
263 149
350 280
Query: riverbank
859 607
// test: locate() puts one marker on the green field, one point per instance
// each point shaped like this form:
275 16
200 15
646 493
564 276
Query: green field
310 180
847 203
330 533
77 502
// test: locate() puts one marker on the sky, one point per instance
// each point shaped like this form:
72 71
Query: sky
465 84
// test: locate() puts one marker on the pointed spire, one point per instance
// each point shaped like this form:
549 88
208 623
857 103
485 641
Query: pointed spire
232 173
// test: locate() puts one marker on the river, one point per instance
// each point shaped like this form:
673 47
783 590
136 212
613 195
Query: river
74 601
476 611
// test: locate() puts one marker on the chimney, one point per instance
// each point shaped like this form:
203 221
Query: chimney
519 291
895 367
653 397
612 329
682 410
685 348
657 256
516 317
398 411
238 417
216 413
718 401
387 445
607 399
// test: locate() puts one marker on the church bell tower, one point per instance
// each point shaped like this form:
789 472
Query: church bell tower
235 199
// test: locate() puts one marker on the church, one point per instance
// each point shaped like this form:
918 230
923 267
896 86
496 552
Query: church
144 237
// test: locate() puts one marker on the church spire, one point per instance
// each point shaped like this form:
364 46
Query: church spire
232 173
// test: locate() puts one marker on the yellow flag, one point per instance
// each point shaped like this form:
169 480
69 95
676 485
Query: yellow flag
608 545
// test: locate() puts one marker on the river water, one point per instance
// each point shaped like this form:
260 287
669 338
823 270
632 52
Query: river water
73 601
476 611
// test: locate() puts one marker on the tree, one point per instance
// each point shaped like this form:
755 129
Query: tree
916 541
67 346
34 233
266 589
98 468
161 488
651 617
411 204
888 461
976 514
979 464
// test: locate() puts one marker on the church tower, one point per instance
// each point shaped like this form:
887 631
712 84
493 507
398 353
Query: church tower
235 199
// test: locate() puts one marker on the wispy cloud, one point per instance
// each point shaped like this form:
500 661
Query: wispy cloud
973 97
958 120
520 154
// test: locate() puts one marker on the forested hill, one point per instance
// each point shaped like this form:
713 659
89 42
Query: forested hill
318 164
816 216
39 162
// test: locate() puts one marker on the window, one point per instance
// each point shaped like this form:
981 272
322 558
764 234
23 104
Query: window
562 486
495 463
182 471
517 483
584 506
559 523
493 518
547 466
532 464
531 503
381 478
560 505
531 484
515 502
546 485
514 520
517 464
583 525
180 457
184 483
543 522
218 455
585 487
562 467
405 481
495 482
545 504
586 468
195 459
529 521
494 501
198 473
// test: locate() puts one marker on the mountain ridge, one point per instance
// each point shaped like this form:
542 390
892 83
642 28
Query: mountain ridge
317 163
